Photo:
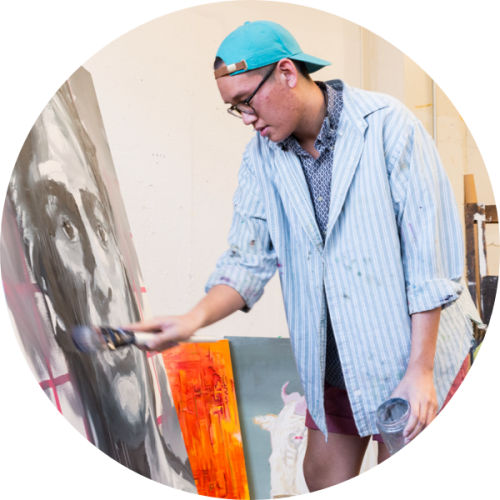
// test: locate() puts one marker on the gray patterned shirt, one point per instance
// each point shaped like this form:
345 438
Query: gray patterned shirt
318 175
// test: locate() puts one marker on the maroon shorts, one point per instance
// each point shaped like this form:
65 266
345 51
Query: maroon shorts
339 417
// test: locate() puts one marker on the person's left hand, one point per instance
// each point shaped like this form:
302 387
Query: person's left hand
417 387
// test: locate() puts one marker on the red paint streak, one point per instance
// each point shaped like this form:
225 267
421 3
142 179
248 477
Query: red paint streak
52 385
143 289
55 382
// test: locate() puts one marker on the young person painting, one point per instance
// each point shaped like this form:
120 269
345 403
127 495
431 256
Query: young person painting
344 191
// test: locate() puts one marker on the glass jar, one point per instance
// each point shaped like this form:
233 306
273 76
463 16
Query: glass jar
392 417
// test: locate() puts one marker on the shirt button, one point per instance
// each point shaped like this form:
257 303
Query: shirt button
331 148
340 132
320 198
324 232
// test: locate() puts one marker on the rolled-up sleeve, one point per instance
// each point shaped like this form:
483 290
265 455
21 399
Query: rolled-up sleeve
250 261
429 225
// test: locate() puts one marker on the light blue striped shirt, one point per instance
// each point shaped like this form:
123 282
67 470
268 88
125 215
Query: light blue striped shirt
394 247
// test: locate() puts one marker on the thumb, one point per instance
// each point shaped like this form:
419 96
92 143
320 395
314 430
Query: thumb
162 341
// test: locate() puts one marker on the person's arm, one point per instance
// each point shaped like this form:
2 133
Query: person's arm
220 302
417 386
433 260
241 272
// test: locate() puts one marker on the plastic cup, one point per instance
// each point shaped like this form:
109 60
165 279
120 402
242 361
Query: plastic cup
392 417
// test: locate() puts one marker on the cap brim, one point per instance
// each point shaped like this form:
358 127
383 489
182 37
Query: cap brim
312 63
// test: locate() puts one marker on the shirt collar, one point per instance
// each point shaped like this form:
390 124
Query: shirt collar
357 104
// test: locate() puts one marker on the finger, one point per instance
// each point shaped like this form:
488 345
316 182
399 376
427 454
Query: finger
431 414
153 325
420 424
412 423
169 344
163 340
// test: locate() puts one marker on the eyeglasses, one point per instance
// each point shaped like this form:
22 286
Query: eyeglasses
244 106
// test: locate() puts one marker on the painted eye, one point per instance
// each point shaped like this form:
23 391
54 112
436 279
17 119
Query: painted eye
101 232
69 229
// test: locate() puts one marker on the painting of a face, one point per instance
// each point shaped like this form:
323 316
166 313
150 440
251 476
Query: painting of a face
84 274
68 234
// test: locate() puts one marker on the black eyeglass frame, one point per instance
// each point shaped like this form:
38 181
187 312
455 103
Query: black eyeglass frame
234 110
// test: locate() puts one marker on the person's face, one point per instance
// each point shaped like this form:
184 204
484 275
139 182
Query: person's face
81 229
276 104
86 277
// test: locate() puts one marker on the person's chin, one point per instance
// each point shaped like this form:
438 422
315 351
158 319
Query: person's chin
274 136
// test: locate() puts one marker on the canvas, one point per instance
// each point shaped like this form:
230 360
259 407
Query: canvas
272 410
272 414
68 259
201 378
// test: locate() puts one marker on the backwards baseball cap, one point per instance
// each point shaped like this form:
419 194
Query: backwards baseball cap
259 43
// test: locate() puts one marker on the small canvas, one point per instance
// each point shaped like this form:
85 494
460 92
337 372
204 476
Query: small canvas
272 410
201 378
68 259
272 414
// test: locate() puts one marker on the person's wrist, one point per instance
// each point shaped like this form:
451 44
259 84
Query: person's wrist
195 320
420 370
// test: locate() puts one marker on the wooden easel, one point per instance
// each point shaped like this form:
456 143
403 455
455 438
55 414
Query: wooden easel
482 286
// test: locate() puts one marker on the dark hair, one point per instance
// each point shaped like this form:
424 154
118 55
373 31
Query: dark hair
300 65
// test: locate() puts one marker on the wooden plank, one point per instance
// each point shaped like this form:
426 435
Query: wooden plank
477 274
470 245
491 214
475 240
470 195
489 285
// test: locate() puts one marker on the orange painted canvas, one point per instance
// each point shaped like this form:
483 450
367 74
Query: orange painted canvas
202 384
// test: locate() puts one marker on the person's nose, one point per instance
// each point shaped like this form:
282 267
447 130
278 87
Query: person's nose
249 119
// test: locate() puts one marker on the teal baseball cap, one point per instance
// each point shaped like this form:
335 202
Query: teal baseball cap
259 43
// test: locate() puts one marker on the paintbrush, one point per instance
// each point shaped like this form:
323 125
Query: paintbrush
89 339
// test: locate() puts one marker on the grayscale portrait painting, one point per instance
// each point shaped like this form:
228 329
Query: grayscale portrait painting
68 259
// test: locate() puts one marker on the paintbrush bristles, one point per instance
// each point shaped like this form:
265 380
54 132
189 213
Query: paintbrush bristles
87 339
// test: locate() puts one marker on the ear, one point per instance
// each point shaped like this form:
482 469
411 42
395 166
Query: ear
287 70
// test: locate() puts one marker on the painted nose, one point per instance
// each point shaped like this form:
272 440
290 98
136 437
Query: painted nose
102 293
101 281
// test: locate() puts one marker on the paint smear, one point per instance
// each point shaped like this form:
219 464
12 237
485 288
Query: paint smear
202 384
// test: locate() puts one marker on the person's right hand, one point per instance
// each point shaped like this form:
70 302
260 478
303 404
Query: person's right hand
169 331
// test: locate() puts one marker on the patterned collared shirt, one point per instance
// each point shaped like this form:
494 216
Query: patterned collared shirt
318 173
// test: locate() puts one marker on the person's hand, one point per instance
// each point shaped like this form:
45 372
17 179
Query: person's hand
169 330
417 387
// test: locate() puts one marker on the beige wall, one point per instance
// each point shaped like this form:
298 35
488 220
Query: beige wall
177 151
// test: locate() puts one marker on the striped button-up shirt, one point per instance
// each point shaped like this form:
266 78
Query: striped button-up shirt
394 247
